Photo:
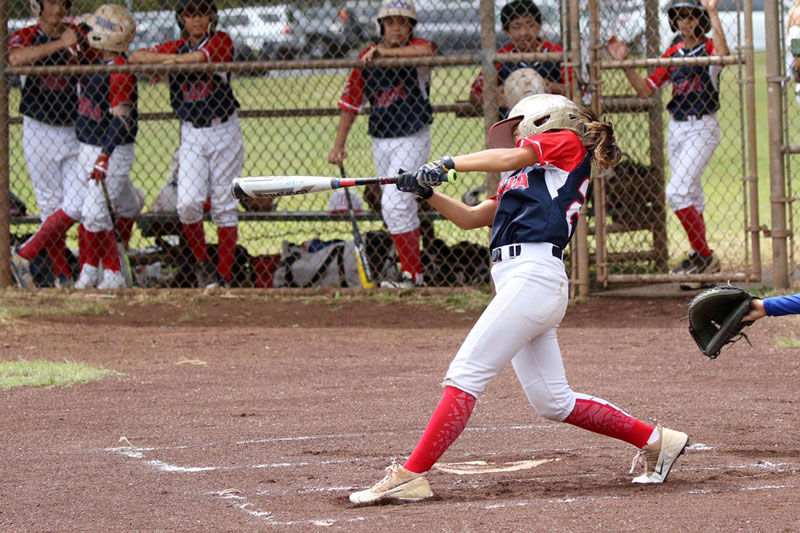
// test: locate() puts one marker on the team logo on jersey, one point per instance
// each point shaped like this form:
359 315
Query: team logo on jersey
87 108
517 181
198 90
387 97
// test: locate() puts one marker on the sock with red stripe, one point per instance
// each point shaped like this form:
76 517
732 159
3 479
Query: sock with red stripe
407 246
125 228
47 235
111 258
599 416
196 238
95 247
447 422
695 227
81 245
226 250
57 250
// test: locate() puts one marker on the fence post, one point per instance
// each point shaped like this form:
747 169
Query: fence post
488 48
780 264
5 185
752 153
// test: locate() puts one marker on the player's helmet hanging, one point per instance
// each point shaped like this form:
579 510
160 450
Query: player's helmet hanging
201 6
112 28
393 8
703 22
36 7
536 114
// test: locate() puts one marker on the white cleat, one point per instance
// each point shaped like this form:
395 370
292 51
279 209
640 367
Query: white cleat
21 268
89 277
398 484
112 279
660 456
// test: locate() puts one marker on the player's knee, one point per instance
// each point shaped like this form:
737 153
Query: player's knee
190 213
553 406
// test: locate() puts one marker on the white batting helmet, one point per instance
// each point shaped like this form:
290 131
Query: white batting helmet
403 8
36 7
536 114
521 83
113 28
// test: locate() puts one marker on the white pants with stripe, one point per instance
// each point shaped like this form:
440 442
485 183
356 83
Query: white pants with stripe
690 145
519 325
126 201
399 209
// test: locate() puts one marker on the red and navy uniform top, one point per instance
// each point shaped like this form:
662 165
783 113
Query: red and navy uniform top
52 99
695 89
782 305
99 94
398 96
549 70
540 203
200 97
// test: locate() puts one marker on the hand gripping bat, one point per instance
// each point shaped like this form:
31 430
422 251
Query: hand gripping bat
273 186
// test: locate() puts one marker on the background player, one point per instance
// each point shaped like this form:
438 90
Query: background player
693 132
552 144
48 106
106 129
211 152
522 21
399 124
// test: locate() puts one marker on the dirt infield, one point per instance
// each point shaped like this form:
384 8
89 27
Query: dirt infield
237 414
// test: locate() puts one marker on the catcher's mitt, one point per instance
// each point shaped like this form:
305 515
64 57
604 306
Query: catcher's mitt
715 318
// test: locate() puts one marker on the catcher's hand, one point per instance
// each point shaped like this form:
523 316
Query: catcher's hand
715 318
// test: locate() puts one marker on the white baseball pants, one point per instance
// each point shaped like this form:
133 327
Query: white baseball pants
51 153
690 145
94 213
208 161
399 209
519 325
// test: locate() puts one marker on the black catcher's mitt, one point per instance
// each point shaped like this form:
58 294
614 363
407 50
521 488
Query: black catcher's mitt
715 318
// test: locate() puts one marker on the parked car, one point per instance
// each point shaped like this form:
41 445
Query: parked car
331 32
263 32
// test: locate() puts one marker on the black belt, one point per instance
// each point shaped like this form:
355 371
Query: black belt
210 122
684 118
515 250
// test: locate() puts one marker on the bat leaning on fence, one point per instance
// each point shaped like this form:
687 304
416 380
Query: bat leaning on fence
273 186
362 262
123 252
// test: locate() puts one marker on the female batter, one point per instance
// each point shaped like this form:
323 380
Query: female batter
693 132
399 124
551 144
211 152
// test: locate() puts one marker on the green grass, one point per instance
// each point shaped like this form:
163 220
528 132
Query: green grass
788 342
48 374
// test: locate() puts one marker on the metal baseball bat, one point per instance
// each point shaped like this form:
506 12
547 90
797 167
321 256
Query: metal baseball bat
362 262
274 186
123 252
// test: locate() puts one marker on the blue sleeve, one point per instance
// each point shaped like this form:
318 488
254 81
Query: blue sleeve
782 305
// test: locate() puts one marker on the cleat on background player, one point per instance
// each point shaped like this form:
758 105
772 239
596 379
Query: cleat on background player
397 484
660 456
21 268
205 275
112 279
89 277
697 264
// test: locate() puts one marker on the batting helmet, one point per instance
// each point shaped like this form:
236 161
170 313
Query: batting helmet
703 22
536 114
202 6
112 28
37 6
393 8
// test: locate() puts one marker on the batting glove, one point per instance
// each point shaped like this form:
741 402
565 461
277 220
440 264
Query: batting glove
432 174
409 182
100 167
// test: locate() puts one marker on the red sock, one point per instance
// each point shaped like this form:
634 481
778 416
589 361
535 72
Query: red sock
226 250
407 246
111 259
599 416
81 245
95 247
57 250
125 228
447 422
695 227
196 237
48 233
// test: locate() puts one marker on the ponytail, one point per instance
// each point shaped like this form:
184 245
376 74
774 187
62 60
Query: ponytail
599 140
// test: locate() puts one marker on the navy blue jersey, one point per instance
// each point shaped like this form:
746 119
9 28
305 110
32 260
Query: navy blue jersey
52 99
695 89
99 93
200 97
541 203
398 96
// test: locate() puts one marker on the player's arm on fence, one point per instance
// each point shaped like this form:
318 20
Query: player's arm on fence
619 51
21 54
720 43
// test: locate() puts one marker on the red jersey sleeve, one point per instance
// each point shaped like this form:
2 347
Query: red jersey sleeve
22 37
218 48
562 149
169 47
352 98
121 86
660 76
